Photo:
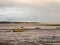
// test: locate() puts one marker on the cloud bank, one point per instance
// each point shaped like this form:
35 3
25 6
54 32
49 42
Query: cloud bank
30 10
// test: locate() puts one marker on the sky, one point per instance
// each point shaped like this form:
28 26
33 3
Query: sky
45 11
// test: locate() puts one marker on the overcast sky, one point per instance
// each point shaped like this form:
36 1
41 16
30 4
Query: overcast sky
30 10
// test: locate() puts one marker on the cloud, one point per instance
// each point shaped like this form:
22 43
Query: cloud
47 11
26 2
36 2
4 3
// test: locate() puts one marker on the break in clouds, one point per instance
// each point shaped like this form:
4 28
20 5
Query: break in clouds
20 10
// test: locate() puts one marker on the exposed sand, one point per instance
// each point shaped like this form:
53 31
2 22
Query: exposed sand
29 36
